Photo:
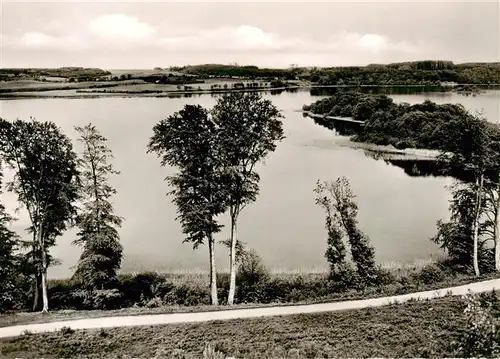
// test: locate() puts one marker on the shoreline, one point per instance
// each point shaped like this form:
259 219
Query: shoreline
90 92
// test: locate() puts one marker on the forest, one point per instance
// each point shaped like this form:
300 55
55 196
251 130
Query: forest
409 73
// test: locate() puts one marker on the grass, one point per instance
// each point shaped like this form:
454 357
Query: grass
41 86
24 88
413 329
201 279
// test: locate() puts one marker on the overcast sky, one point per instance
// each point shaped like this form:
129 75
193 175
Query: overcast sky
144 35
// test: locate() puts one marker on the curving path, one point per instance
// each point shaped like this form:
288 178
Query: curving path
156 319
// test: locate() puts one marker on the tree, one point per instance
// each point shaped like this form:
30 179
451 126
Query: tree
494 193
335 253
9 260
102 252
457 235
187 140
468 145
338 200
46 182
249 128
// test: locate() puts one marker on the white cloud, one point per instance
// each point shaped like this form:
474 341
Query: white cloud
241 38
122 32
119 26
38 41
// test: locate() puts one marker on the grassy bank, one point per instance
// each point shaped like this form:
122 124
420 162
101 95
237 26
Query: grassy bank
155 293
27 89
413 329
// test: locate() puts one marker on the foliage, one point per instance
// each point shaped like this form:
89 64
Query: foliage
335 252
188 140
102 251
251 276
68 72
169 292
212 353
414 329
425 125
216 70
337 199
471 144
46 182
249 128
481 337
409 73
456 236
9 259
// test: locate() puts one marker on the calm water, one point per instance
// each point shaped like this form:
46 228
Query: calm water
284 226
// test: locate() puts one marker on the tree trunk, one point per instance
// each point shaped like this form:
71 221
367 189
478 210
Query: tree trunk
476 224
213 271
44 291
232 261
37 305
497 233
45 297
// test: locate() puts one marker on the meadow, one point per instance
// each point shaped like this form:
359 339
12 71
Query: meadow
413 329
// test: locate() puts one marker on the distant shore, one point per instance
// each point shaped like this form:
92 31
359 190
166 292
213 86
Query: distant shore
10 90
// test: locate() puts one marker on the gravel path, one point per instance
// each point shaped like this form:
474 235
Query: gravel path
156 319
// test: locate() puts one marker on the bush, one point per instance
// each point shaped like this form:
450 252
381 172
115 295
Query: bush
383 277
106 299
346 277
429 274
223 287
141 288
67 331
188 295
481 337
65 294
251 275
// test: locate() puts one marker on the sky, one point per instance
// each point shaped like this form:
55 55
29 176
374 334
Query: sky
128 35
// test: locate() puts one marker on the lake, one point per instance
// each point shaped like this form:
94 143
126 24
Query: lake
284 226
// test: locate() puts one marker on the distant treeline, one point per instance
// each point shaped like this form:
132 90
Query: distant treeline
404 73
169 79
409 73
216 70
66 72
423 125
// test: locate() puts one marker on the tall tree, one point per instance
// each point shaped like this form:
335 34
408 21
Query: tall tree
495 191
249 128
335 252
339 201
46 182
102 252
468 145
187 140
9 260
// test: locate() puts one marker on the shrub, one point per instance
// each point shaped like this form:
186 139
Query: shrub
383 277
212 353
251 275
188 294
141 288
65 294
345 278
223 287
481 337
67 331
429 274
